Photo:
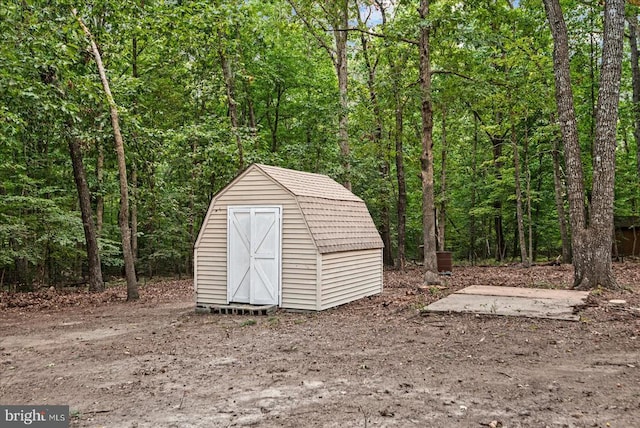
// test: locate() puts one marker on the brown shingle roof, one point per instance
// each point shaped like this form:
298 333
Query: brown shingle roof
308 184
338 220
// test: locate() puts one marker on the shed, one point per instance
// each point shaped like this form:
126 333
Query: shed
298 240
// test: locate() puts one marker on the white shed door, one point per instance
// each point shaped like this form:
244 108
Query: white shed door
253 255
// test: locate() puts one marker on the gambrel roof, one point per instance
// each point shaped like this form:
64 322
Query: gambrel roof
337 219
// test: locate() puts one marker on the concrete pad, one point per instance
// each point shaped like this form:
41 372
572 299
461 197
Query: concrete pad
574 296
513 301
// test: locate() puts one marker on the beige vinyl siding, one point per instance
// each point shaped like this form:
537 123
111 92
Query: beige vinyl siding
347 276
298 250
211 261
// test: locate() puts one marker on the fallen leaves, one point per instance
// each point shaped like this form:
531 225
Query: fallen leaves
165 290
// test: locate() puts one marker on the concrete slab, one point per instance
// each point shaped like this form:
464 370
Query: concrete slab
574 296
513 301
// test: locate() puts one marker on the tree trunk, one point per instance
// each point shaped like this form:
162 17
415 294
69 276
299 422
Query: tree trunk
442 212
529 203
591 241
398 136
134 169
229 83
604 162
496 143
385 232
426 157
402 184
100 193
397 65
559 195
134 212
96 283
123 216
501 245
519 212
592 76
635 79
253 126
191 219
337 14
381 149
273 126
151 215
474 172
341 71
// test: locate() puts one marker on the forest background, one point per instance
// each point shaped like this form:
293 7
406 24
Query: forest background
203 89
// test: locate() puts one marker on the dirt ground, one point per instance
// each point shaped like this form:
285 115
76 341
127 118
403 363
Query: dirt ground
376 362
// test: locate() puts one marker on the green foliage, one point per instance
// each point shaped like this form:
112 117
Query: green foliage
492 82
37 230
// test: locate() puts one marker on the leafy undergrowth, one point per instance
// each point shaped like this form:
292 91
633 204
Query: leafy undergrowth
153 292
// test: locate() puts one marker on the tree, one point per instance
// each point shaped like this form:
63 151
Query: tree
96 283
442 211
591 232
336 14
559 199
426 158
371 65
230 85
123 217
635 80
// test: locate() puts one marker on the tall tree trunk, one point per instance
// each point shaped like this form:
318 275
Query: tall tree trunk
529 202
385 232
230 87
191 218
341 71
123 217
381 149
592 76
474 171
134 169
591 240
337 14
134 212
397 65
100 193
273 126
604 161
519 212
253 127
501 245
402 184
635 80
496 143
426 157
442 212
150 228
96 283
559 196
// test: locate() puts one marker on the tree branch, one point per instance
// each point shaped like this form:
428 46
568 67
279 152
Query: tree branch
382 36
453 73
311 29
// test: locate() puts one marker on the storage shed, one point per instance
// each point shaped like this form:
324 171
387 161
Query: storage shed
298 240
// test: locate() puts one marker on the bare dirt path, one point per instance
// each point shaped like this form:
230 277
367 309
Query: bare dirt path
376 362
